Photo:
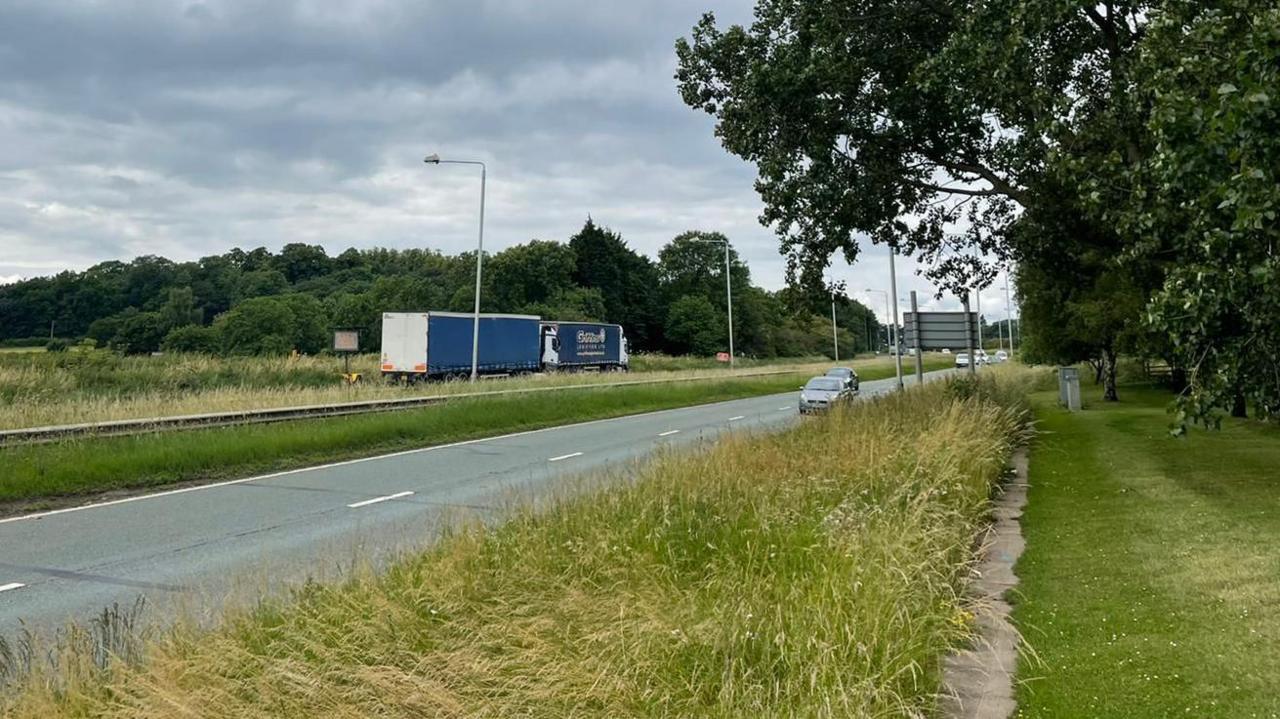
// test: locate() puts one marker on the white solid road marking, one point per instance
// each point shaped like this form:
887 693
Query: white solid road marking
735 419
375 500
11 585
668 433
565 456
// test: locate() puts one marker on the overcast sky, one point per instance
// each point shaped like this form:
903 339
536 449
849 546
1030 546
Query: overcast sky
183 129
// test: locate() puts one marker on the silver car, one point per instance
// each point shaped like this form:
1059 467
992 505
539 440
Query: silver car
822 393
847 374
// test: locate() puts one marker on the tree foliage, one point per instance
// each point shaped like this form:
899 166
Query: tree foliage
257 302
1123 154
1203 207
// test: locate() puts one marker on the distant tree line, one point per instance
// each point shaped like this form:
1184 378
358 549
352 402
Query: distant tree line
259 302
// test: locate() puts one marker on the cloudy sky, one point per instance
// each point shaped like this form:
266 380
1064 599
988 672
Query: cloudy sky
186 128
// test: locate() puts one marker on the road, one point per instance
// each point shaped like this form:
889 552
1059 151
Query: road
195 548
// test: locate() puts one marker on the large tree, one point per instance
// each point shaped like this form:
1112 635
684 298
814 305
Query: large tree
935 126
1204 205
625 279
523 275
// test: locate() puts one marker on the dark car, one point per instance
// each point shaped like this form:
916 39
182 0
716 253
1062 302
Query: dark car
847 374
822 393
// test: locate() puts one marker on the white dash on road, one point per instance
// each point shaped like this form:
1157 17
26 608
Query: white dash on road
735 419
784 409
668 433
375 500
565 456
11 585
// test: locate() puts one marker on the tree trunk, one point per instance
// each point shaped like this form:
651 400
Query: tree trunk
1109 375
1238 406
1097 370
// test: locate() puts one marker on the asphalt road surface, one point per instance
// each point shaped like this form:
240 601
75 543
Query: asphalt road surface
193 549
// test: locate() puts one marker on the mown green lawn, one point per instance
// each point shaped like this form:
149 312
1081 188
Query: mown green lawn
1151 580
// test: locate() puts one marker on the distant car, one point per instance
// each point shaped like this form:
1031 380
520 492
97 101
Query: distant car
946 351
1001 356
911 351
962 359
820 394
847 374
980 356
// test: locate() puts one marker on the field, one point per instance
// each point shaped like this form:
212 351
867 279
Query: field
92 386
1150 584
813 572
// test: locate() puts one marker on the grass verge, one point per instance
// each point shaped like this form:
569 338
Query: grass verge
814 572
1150 580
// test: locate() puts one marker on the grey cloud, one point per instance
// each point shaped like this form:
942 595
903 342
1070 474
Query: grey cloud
156 127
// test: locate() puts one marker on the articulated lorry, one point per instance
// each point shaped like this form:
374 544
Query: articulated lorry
578 346
437 345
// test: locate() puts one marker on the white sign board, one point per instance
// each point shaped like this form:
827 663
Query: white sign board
346 341
940 330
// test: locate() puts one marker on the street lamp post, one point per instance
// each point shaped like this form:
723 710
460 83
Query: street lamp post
1008 310
434 159
889 329
835 336
728 288
893 288
892 331
977 294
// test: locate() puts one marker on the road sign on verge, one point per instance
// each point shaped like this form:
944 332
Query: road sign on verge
940 330
346 340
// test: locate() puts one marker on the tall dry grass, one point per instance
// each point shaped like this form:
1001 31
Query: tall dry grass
817 573
42 390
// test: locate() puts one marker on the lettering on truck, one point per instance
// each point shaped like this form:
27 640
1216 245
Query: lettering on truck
590 344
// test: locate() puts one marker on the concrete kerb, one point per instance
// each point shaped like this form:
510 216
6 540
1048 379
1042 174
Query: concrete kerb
978 682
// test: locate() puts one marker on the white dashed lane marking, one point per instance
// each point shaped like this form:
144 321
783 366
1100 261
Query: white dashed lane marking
735 419
668 433
11 585
565 456
375 500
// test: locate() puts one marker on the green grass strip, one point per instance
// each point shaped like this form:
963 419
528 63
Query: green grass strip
1151 584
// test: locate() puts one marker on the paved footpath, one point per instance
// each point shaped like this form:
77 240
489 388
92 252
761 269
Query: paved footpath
978 681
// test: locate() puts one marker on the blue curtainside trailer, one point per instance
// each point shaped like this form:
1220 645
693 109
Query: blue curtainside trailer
508 344
436 345
585 345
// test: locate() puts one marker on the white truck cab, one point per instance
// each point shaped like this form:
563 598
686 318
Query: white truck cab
550 347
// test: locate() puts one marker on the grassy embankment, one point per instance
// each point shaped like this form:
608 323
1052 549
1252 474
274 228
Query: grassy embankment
813 572
96 385
1151 583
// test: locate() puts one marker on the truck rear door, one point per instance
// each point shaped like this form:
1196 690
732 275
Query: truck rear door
404 342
